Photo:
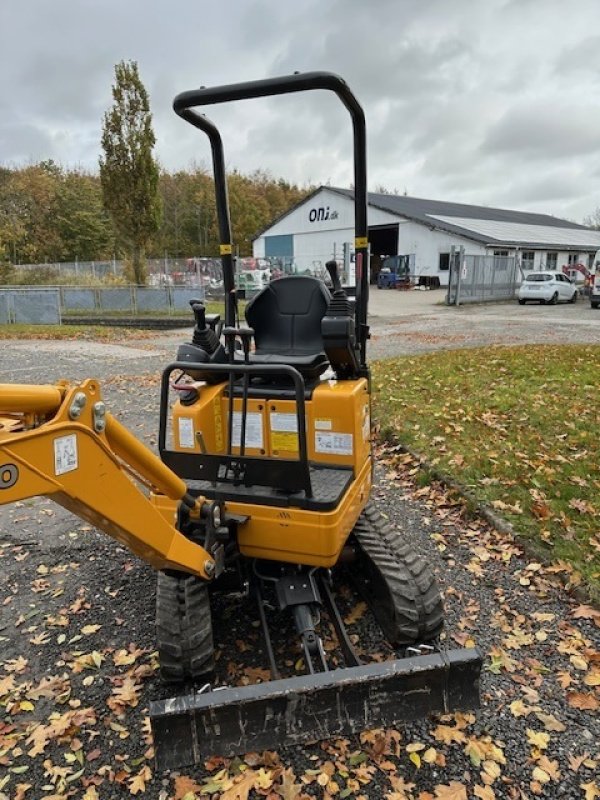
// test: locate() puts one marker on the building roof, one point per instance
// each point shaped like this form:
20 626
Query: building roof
487 225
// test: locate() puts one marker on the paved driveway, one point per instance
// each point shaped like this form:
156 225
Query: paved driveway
403 323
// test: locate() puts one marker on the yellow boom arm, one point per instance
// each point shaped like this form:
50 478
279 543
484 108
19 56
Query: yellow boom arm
61 442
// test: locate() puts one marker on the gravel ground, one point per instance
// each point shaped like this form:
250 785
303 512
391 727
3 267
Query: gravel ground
537 733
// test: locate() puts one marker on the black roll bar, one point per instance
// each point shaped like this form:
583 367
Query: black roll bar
286 84
222 200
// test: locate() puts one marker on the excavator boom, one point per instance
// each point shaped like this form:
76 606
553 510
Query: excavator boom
60 441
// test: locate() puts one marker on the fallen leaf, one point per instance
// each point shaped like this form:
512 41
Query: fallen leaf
184 785
415 758
139 781
549 767
579 663
576 761
537 739
21 791
87 630
550 722
490 772
289 789
593 677
586 612
447 735
519 709
452 791
583 701
484 792
591 790
540 775
241 790
357 613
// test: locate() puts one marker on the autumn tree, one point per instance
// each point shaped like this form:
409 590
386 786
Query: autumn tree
593 220
83 225
128 170
27 213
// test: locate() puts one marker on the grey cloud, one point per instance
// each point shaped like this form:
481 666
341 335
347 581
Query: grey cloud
466 101
542 131
24 143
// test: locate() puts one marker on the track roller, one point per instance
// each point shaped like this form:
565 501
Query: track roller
183 627
398 584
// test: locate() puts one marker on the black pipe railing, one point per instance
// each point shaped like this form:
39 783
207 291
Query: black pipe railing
286 474
288 84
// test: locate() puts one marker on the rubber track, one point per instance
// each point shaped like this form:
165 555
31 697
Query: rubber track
183 628
401 587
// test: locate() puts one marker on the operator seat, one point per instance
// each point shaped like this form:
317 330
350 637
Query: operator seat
286 318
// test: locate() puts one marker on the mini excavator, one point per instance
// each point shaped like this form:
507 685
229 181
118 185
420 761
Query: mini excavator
261 488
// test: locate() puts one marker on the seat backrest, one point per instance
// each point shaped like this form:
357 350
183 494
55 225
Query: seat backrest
286 316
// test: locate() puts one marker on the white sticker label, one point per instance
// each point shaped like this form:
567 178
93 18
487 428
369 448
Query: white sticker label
336 444
287 423
323 425
186 432
65 454
254 430
367 425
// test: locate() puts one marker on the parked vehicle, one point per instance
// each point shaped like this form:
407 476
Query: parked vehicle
394 272
547 287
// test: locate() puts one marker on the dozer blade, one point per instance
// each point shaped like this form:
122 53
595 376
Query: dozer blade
266 716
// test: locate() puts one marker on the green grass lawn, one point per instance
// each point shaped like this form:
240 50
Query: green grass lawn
520 427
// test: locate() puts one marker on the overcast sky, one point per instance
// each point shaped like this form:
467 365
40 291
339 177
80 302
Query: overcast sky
494 102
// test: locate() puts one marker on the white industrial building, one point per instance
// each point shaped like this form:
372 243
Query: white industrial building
322 227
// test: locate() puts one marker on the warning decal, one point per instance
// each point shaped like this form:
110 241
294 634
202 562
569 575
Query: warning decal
336 444
65 454
284 431
254 430
186 432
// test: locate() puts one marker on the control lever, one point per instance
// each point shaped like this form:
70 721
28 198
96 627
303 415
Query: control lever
199 314
332 269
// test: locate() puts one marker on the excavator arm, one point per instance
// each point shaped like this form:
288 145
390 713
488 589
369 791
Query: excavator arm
60 441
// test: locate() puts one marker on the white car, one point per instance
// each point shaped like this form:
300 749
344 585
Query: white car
547 287
595 292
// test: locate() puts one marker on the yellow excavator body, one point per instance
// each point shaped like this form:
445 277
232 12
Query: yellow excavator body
338 429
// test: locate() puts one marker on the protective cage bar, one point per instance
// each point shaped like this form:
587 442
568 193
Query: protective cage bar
289 474
192 727
286 84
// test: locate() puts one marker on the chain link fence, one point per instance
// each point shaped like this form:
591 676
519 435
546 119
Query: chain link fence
49 305
482 278
30 306
165 271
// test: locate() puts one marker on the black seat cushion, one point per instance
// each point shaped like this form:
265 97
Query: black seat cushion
286 318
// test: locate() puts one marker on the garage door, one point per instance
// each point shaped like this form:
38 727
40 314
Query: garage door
279 246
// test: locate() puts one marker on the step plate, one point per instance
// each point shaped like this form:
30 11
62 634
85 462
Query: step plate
190 728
